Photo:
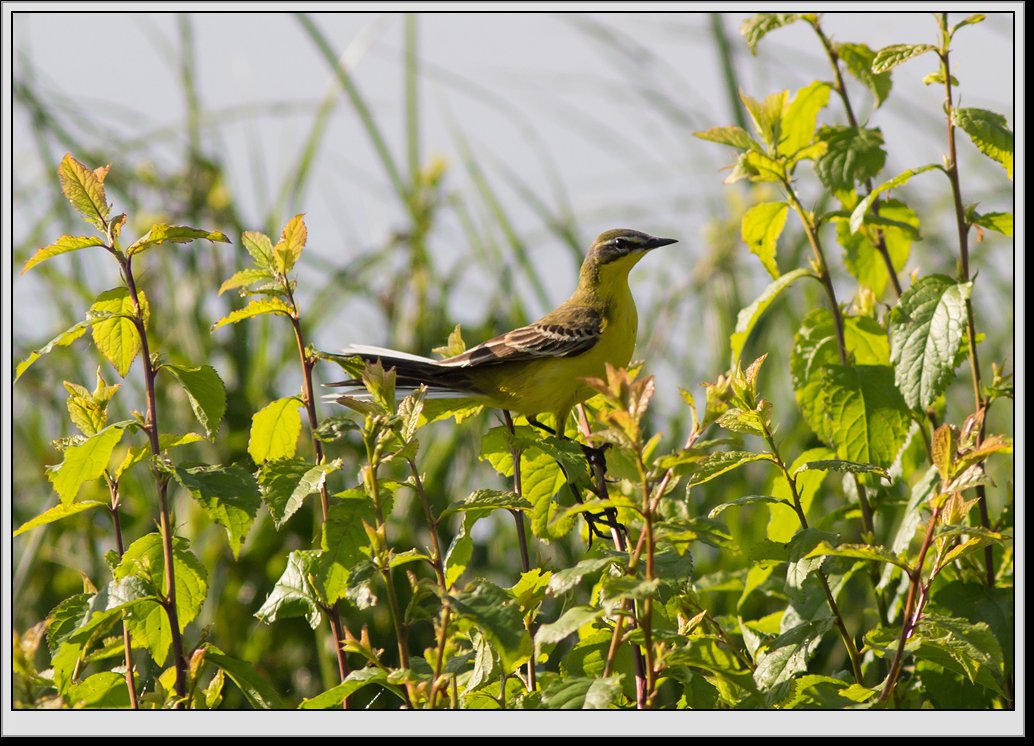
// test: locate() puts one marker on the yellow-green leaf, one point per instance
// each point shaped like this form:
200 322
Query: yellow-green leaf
290 245
116 335
255 308
761 228
62 246
85 462
275 429
58 512
160 234
260 248
244 278
84 188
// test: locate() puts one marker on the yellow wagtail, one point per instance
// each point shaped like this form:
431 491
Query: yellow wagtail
539 368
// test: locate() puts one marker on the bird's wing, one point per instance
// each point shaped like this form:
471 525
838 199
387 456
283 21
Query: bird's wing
576 332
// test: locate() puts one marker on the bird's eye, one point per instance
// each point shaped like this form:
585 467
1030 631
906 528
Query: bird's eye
620 243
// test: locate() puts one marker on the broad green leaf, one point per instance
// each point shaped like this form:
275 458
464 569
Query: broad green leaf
815 347
989 132
900 180
58 512
842 466
149 628
66 617
858 59
755 28
733 136
576 693
61 246
720 462
274 430
85 462
165 441
294 594
496 615
116 335
255 688
747 500
260 248
1000 222
890 57
853 155
145 559
530 589
748 317
244 278
345 544
205 392
767 117
787 655
783 524
228 494
807 596
159 234
279 480
927 329
356 680
961 646
105 690
84 188
867 420
489 499
255 308
87 409
461 549
800 118
761 227
290 245
861 551
900 226
64 339
817 692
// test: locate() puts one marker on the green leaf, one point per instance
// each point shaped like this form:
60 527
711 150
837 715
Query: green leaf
61 246
748 317
767 118
66 617
160 234
105 690
890 57
754 29
260 248
761 228
800 118
784 524
900 226
333 698
733 136
205 392
64 339
853 155
145 559
335 428
720 462
255 308
858 59
577 693
861 551
961 646
141 453
842 466
58 512
496 615
1000 222
290 245
345 544
294 594
816 692
84 188
815 348
989 132
787 655
228 494
937 77
489 499
868 420
245 277
967 21
259 692
116 335
461 549
747 500
279 480
927 329
900 180
85 462
275 429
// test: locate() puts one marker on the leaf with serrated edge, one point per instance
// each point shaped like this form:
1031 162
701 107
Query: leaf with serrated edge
868 420
159 234
290 245
244 278
228 494
900 180
890 57
255 308
275 429
58 512
117 336
61 246
85 190
85 462
761 227
990 132
205 392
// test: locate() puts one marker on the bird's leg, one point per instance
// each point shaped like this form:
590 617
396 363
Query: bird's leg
598 467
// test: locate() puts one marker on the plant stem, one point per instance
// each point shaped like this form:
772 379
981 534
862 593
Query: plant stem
962 227
127 642
522 539
161 480
852 650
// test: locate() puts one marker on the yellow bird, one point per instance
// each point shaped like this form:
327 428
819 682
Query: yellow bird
539 368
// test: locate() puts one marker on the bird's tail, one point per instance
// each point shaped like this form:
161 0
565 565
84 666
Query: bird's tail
411 372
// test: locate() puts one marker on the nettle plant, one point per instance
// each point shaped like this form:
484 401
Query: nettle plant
882 578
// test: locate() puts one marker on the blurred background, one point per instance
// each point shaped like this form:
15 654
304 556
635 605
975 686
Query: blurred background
457 178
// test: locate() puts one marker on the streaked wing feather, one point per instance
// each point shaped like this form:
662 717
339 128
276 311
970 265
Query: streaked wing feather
545 338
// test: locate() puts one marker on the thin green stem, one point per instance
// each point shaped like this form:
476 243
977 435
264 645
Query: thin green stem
522 539
127 642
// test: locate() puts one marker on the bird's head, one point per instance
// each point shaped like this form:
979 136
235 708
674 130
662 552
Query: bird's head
618 250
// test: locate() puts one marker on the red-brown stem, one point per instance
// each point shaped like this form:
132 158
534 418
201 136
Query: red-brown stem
127 642
162 482
962 228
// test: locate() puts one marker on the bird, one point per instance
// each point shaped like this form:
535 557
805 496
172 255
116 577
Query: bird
540 368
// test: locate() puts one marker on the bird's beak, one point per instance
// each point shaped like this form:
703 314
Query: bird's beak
656 243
